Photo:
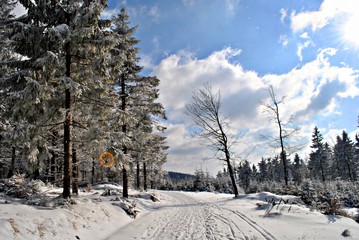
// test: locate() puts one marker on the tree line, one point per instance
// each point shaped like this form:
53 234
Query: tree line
325 163
71 88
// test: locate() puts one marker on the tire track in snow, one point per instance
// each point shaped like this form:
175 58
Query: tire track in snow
264 232
188 218
253 225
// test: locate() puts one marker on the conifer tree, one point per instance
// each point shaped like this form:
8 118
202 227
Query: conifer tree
6 54
345 164
244 174
64 50
263 170
318 162
135 141
126 76
298 170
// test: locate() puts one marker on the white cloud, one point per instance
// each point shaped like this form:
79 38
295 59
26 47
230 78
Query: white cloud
311 90
283 14
301 47
231 6
328 10
284 40
305 35
187 153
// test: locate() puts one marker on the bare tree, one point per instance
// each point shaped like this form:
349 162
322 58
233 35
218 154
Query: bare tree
204 107
284 132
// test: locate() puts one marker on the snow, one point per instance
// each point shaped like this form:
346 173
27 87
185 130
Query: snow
177 215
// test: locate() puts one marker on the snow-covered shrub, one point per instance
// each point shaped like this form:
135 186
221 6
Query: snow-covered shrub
129 207
19 187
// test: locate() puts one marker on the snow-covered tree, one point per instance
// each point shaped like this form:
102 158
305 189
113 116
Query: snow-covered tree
135 139
298 170
63 48
6 148
127 76
345 164
263 170
244 174
318 163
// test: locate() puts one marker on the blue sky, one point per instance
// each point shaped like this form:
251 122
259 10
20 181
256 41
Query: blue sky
308 51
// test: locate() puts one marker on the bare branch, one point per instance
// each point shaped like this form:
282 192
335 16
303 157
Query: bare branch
204 107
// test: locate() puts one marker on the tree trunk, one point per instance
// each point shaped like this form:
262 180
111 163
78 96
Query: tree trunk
67 146
124 130
283 157
52 173
233 180
124 182
144 177
75 172
12 166
67 128
138 182
93 172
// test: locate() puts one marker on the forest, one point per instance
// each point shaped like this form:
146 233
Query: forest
71 90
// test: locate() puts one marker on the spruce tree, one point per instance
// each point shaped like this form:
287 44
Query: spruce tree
63 46
318 164
298 170
135 139
345 165
126 76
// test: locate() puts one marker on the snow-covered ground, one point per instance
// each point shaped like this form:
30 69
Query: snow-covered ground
177 215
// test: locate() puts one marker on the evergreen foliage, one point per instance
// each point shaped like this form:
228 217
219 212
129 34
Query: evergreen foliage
70 90
318 159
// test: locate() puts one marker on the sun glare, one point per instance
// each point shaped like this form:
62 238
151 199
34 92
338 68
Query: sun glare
350 31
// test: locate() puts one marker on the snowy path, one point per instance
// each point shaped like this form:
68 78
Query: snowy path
191 218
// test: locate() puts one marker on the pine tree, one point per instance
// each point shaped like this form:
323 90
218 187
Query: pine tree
6 147
64 50
318 164
298 170
344 161
244 174
263 170
138 107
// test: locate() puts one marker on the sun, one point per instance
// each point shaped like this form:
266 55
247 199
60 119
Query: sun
350 31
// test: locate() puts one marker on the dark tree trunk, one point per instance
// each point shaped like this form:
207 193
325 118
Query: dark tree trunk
12 166
52 172
124 182
124 130
75 172
138 181
67 130
233 180
67 146
144 177
93 172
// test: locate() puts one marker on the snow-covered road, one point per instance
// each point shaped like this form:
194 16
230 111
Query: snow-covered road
177 215
191 218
